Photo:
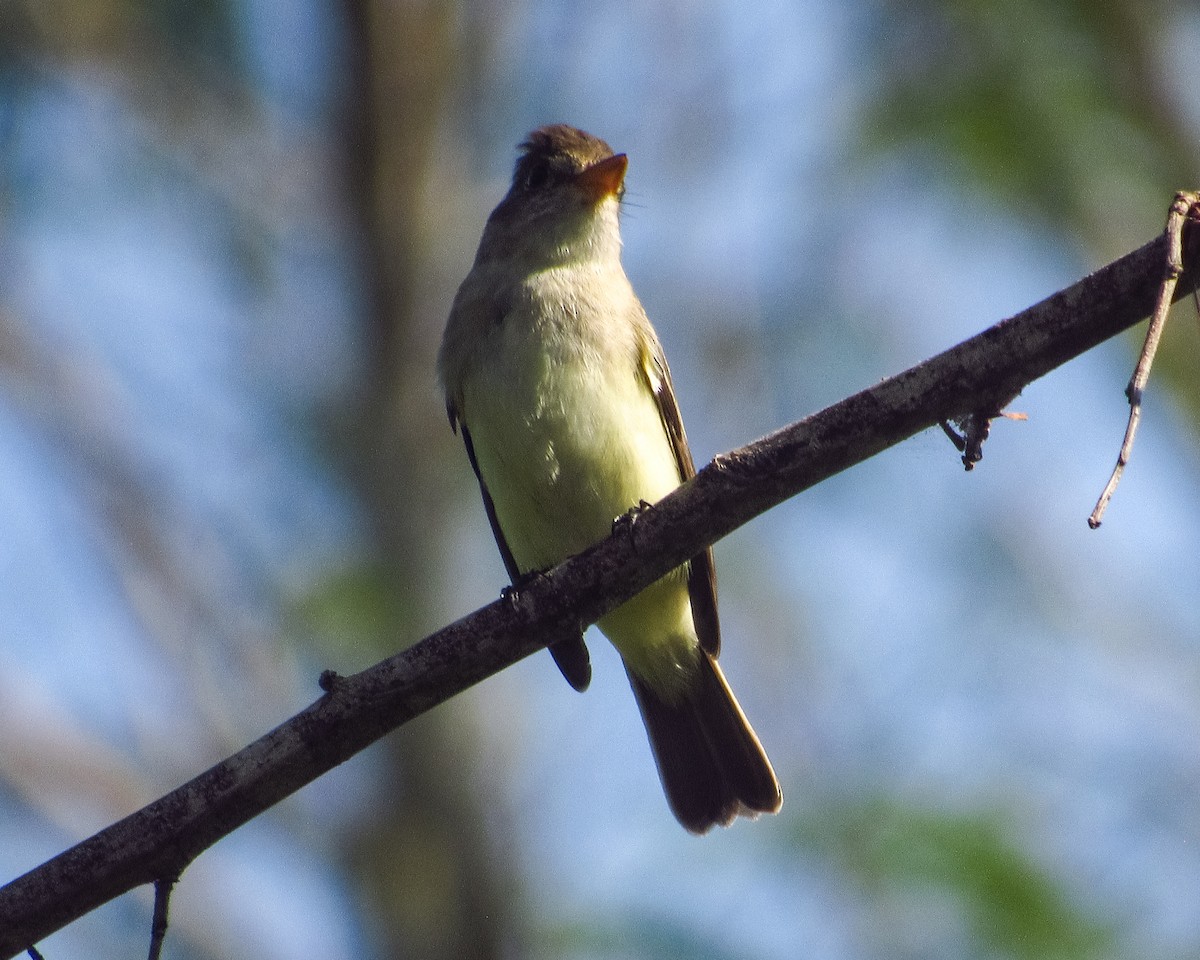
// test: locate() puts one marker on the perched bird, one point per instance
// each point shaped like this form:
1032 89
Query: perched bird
561 391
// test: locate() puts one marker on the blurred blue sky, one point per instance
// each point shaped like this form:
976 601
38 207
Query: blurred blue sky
960 641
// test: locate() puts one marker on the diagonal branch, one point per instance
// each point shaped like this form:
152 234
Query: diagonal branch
160 840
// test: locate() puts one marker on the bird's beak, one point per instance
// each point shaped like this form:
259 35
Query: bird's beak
603 179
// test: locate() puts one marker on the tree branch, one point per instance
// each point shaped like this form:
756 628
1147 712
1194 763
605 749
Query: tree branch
983 373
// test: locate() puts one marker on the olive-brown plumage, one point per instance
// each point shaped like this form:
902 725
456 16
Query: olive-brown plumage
561 391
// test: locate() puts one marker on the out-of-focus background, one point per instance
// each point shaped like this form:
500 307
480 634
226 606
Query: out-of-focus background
230 232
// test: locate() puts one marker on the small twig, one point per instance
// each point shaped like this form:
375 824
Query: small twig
960 443
1184 205
976 428
33 954
158 925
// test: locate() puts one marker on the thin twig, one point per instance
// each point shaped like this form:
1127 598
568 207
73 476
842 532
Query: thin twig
1184 205
976 428
158 924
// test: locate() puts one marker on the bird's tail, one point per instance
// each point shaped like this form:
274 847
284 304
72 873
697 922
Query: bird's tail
711 764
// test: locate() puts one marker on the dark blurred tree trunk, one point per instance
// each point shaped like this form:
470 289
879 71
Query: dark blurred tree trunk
431 869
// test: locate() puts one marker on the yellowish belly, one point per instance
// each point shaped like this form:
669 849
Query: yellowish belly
565 452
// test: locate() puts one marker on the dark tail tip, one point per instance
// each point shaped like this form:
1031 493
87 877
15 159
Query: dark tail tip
712 766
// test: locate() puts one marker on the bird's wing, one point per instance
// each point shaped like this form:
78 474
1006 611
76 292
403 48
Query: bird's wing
702 571
570 653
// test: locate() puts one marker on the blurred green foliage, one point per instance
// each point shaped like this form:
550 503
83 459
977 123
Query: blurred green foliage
1058 110
354 613
635 936
205 29
902 859
1065 113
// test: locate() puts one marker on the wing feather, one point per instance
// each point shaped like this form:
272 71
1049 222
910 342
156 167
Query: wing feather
570 653
702 571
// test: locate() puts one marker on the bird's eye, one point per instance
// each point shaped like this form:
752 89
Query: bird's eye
537 175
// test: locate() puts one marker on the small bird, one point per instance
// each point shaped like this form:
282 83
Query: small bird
561 391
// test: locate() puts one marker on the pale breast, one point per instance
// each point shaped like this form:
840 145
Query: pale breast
566 431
